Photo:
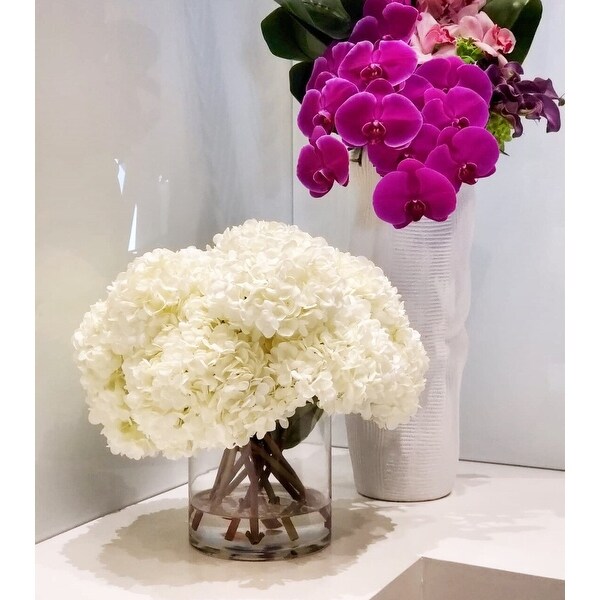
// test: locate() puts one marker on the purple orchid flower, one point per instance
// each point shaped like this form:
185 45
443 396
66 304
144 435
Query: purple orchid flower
385 20
449 72
393 61
465 155
386 159
414 89
514 98
378 115
460 107
319 107
322 162
412 192
326 67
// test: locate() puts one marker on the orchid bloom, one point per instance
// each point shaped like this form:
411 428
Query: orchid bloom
446 73
378 115
465 155
412 192
319 107
322 163
326 67
460 108
394 61
386 159
385 20
514 97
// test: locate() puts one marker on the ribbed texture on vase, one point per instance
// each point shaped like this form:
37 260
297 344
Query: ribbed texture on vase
429 264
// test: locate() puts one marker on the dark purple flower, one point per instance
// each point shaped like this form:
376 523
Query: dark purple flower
326 67
378 115
322 162
319 107
514 97
447 73
385 20
411 192
465 155
460 107
386 159
393 61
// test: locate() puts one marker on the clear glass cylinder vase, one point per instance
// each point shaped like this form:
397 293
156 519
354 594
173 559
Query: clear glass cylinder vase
429 263
267 500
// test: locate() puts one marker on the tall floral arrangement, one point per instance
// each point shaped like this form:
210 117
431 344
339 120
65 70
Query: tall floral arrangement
429 90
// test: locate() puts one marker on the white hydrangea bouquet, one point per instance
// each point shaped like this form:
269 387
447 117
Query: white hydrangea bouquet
224 347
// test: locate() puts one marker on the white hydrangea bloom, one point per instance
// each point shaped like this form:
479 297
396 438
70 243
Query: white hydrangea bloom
197 349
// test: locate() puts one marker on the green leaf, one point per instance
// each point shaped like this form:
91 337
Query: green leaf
300 425
287 38
299 75
327 16
522 17
354 8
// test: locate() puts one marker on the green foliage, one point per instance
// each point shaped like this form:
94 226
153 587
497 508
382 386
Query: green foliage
287 38
327 16
299 76
302 29
522 17
354 8
468 51
500 128
300 425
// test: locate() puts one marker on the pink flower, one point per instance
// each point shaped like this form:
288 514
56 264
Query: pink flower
501 39
486 35
447 11
430 34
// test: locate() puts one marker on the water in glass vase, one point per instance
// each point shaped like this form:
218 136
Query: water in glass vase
267 500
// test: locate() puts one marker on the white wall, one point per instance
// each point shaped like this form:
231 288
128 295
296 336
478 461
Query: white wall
185 96
513 390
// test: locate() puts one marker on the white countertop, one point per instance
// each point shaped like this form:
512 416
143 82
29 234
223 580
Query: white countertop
501 517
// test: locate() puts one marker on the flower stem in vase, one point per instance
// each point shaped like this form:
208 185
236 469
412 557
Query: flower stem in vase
257 506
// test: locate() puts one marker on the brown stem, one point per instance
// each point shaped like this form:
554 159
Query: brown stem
232 529
279 472
226 477
264 480
196 520
278 454
220 471
254 535
289 528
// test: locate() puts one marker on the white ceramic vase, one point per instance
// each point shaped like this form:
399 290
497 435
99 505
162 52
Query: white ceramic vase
429 264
